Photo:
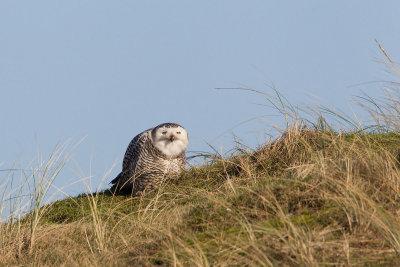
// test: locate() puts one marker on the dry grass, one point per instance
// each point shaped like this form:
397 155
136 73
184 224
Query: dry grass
313 197
310 198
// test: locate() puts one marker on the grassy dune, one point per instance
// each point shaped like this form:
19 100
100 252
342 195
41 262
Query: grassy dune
310 198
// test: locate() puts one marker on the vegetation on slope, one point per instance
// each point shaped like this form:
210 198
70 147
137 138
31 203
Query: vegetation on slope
312 197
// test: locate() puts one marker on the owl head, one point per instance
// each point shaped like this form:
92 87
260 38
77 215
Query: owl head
170 138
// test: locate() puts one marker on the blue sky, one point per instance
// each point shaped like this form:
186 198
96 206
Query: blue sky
106 70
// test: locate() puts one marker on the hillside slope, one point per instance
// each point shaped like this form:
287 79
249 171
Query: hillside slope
312 197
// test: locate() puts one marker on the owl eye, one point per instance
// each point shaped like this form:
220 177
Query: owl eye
164 132
178 132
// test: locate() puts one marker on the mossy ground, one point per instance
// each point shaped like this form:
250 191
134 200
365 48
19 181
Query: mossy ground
310 198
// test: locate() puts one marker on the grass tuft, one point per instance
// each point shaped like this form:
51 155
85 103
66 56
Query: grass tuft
314 196
311 197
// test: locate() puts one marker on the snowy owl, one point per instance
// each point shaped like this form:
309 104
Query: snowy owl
152 157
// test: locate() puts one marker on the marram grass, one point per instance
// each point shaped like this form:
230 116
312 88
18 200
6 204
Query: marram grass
313 197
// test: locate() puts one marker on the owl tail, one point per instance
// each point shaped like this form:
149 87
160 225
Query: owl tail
116 179
120 186
115 182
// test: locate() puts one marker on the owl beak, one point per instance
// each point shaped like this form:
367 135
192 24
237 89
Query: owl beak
172 138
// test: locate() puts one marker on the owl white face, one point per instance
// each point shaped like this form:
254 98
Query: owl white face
171 141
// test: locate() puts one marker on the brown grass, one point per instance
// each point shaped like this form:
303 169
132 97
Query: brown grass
313 197
309 198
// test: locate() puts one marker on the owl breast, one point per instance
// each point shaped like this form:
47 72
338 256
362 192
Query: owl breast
173 166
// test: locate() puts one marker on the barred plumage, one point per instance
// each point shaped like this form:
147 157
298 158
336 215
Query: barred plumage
152 157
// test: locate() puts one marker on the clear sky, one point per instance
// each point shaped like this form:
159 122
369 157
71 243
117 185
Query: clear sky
107 70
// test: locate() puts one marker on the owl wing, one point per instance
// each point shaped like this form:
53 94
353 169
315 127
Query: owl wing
131 159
